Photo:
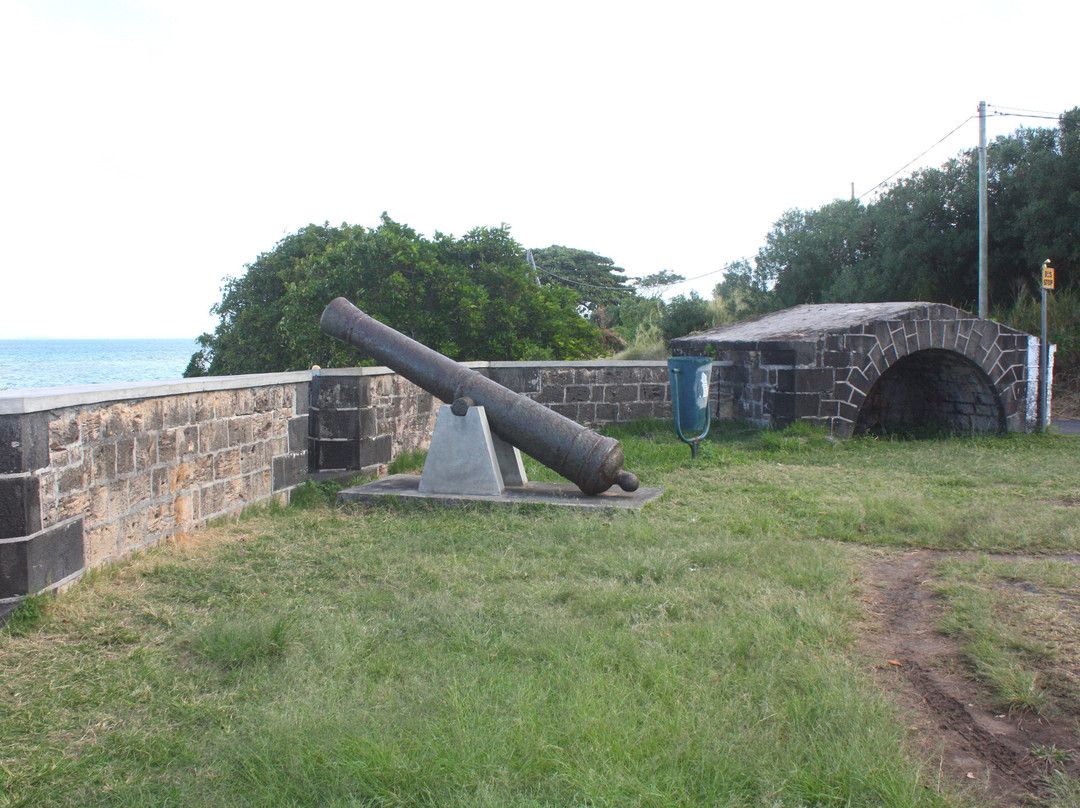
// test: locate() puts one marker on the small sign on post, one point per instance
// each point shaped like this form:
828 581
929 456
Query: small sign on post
1047 276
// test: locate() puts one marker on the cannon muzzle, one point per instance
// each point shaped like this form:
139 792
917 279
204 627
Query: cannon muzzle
591 461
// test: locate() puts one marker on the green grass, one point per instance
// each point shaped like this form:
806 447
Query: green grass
699 652
1009 616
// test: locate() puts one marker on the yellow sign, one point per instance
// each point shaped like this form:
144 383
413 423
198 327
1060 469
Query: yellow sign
1048 277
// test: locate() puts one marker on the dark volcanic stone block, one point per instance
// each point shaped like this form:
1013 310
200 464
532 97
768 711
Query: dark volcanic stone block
20 507
289 470
42 559
24 442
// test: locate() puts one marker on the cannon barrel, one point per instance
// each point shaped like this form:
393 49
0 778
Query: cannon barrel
591 461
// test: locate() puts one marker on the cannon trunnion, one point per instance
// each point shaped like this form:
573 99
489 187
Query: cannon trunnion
591 461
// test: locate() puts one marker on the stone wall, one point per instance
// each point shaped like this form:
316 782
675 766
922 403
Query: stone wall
362 418
853 367
90 474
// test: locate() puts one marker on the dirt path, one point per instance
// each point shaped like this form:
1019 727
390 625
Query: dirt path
972 745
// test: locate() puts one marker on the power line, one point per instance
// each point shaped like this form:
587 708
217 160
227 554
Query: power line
946 137
579 283
1021 109
1026 115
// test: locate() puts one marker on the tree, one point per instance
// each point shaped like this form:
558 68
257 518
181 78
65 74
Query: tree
595 280
654 285
919 239
685 314
472 297
742 293
807 251
250 309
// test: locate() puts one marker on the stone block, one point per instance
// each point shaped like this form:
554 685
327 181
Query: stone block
606 413
298 432
237 492
241 430
782 379
145 451
836 359
551 394
343 424
41 560
578 392
20 505
337 455
654 392
567 410
213 437
125 455
103 462
255 457
63 431
73 478
160 518
118 503
369 422
780 404
632 410
99 503
74 504
100 542
520 380
139 489
779 357
922 334
814 380
212 500
807 404
621 393
343 392
857 379
227 463
289 470
262 425
131 530
116 421
301 398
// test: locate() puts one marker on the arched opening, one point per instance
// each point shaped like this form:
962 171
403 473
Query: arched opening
934 388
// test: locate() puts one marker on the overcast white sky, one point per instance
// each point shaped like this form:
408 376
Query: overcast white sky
149 148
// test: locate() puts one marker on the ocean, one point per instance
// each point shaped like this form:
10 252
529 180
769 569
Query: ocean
27 363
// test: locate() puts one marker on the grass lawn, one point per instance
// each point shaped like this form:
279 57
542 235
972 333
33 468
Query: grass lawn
699 652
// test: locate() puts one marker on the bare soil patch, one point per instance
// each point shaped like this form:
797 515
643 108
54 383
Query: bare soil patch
952 718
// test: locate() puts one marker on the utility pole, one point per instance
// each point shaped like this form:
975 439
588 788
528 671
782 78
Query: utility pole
984 249
1044 350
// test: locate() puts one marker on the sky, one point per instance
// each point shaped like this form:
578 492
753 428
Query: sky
151 148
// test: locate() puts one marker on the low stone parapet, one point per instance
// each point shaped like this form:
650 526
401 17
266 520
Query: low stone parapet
90 474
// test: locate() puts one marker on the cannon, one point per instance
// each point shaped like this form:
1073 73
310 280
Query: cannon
591 461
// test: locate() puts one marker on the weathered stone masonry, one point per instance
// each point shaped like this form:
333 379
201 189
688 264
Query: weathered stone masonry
851 367
362 418
91 474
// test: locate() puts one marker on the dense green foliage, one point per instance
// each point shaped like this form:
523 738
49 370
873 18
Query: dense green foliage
919 239
596 280
472 297
477 297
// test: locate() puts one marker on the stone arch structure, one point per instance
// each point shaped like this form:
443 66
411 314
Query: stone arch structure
934 386
851 366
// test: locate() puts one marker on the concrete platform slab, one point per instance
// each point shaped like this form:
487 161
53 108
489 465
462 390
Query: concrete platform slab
407 487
